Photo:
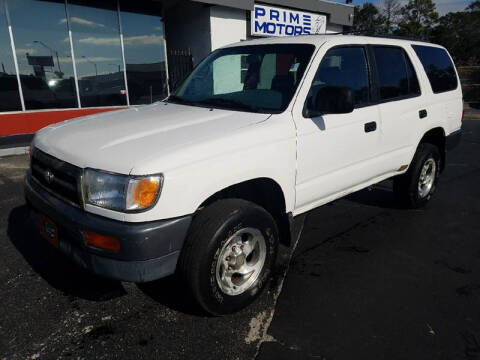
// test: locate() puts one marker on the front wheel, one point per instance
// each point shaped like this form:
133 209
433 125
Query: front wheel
229 255
415 188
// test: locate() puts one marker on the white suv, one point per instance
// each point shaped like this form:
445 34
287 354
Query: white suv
207 182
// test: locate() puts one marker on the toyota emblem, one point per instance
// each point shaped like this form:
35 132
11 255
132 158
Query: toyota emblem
48 176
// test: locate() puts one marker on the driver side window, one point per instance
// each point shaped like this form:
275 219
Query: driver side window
344 67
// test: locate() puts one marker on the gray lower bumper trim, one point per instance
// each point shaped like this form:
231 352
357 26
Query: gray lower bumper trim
148 251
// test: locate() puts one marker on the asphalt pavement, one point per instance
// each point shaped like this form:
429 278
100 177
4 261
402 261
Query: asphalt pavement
367 281
371 281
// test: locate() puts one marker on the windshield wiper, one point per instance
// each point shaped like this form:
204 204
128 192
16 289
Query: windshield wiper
221 102
229 102
179 100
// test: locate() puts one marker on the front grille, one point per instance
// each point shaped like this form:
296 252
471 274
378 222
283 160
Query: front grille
58 177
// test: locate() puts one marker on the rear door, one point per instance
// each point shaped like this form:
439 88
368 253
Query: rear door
336 152
400 103
446 98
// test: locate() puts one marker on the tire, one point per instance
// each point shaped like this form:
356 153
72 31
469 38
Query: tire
415 188
220 238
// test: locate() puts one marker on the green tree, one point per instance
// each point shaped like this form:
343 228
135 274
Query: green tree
367 20
459 32
474 6
417 19
390 10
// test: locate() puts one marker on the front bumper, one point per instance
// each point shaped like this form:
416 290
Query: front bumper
148 251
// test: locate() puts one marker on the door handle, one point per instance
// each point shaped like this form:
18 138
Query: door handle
370 126
422 114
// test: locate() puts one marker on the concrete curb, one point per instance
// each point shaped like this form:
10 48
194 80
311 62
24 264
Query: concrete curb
14 151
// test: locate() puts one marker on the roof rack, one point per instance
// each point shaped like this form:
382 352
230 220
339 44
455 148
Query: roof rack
383 36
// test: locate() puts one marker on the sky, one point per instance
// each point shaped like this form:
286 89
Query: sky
443 6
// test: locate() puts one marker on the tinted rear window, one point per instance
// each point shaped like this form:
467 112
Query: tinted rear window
438 66
396 76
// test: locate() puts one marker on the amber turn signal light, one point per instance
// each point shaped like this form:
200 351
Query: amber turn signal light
103 242
143 192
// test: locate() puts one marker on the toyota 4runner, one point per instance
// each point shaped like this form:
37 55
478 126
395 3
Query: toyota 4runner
207 182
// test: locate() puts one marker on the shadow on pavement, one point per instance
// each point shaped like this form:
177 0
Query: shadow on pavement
61 273
380 195
53 266
172 293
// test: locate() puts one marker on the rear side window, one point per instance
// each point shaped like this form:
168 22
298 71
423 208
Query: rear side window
438 66
396 75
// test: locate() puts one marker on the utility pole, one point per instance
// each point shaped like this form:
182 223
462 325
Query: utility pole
52 51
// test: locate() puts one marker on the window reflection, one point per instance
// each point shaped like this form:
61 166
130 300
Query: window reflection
438 66
98 54
392 72
43 54
9 95
344 67
144 52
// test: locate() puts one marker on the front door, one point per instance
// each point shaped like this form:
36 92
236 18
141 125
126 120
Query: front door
336 152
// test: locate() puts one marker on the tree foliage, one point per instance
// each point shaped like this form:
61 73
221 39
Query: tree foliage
474 6
459 32
390 10
367 19
418 18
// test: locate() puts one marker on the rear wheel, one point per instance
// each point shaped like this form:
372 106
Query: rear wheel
229 255
415 188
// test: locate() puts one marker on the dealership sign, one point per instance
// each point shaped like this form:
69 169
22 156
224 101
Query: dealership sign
273 21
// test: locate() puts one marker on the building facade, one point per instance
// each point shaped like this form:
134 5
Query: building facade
67 58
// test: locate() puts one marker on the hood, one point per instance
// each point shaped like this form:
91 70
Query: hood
117 141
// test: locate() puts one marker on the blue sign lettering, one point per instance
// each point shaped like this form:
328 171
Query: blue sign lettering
274 15
294 18
280 28
260 28
267 20
259 11
271 28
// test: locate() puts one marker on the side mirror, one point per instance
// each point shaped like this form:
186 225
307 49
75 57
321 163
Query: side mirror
331 100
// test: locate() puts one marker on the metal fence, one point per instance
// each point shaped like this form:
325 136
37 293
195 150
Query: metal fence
180 64
470 79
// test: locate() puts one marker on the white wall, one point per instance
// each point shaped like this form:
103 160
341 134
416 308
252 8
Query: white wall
227 25
202 28
334 28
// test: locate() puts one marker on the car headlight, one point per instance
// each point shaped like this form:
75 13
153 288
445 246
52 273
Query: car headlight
121 192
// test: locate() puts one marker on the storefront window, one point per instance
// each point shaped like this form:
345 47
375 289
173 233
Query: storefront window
9 95
143 40
43 53
98 54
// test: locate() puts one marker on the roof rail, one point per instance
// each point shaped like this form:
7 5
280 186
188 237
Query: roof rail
384 36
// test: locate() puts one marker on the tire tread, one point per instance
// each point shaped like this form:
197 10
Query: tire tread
207 220
404 186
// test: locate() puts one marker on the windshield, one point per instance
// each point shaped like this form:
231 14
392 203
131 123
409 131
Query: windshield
257 78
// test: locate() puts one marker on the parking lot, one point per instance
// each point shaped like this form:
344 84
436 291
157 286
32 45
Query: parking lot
368 280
